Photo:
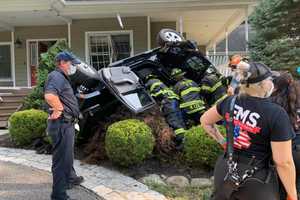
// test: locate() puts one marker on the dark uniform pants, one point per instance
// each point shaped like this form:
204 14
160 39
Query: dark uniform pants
62 135
253 189
173 114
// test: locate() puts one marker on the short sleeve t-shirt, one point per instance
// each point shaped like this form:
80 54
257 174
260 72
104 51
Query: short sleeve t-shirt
257 122
59 85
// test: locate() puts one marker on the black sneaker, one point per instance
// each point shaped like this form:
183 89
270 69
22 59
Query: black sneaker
75 181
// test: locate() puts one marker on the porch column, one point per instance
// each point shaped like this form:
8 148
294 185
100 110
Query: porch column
69 35
246 29
207 53
13 57
148 33
181 25
215 49
226 42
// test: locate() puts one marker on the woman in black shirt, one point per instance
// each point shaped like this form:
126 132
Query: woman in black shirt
261 131
287 95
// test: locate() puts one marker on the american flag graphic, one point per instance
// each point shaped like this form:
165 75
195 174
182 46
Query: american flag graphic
242 140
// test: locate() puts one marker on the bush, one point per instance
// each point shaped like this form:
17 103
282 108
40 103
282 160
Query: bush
128 142
200 149
27 125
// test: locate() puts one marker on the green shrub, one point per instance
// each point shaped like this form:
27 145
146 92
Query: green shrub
25 126
129 142
200 149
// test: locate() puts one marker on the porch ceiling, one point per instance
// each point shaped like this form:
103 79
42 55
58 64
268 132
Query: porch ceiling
203 20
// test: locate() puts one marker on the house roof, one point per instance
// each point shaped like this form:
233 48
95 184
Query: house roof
203 20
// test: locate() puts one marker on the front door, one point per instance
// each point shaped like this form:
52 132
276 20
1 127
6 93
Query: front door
35 49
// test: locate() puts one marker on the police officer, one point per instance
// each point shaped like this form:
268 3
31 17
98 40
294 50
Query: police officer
258 131
188 91
169 106
63 113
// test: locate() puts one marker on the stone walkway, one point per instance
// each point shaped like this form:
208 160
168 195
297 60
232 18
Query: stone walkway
108 184
19 182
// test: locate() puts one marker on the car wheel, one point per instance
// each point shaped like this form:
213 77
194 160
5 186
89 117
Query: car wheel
168 35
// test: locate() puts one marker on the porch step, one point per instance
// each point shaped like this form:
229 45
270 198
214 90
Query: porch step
12 97
11 102
8 109
3 124
5 116
16 90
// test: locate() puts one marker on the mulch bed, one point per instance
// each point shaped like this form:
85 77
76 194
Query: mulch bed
165 160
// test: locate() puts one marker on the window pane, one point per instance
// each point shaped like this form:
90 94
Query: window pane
5 61
104 48
121 46
99 51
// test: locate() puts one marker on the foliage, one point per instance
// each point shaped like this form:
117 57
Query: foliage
27 125
129 142
185 193
35 99
276 40
200 149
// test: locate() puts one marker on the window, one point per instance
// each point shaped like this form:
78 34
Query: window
105 48
5 61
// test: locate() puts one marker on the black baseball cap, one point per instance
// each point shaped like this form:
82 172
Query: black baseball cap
258 72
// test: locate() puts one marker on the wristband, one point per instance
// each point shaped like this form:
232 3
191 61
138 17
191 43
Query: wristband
290 198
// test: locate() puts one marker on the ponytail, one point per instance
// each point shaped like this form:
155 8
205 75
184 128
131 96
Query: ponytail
294 102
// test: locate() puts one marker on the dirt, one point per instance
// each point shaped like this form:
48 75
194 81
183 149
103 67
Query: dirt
5 141
165 160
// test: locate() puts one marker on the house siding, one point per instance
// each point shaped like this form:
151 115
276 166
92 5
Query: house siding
5 36
78 28
156 27
137 24
33 32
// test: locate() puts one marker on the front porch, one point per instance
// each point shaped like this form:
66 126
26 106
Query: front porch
93 29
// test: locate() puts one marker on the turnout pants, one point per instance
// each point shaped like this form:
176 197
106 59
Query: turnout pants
62 135
255 188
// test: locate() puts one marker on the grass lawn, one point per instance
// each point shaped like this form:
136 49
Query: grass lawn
187 193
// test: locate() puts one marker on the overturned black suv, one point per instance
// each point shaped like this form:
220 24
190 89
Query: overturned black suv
124 81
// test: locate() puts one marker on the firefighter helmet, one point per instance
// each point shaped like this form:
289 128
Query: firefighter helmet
177 72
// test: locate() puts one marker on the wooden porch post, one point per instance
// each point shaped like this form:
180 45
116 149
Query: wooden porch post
69 35
246 29
13 57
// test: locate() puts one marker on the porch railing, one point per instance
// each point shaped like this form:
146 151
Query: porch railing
221 59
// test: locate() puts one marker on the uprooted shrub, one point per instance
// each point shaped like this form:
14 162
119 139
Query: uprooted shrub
25 126
129 142
200 149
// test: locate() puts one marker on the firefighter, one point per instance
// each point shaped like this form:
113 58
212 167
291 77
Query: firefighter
191 103
238 65
213 87
169 106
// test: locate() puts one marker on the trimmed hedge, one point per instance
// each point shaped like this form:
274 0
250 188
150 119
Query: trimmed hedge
200 149
129 142
27 125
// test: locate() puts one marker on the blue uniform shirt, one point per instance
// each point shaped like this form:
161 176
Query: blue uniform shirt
58 84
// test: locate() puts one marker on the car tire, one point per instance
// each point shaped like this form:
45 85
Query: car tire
168 35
